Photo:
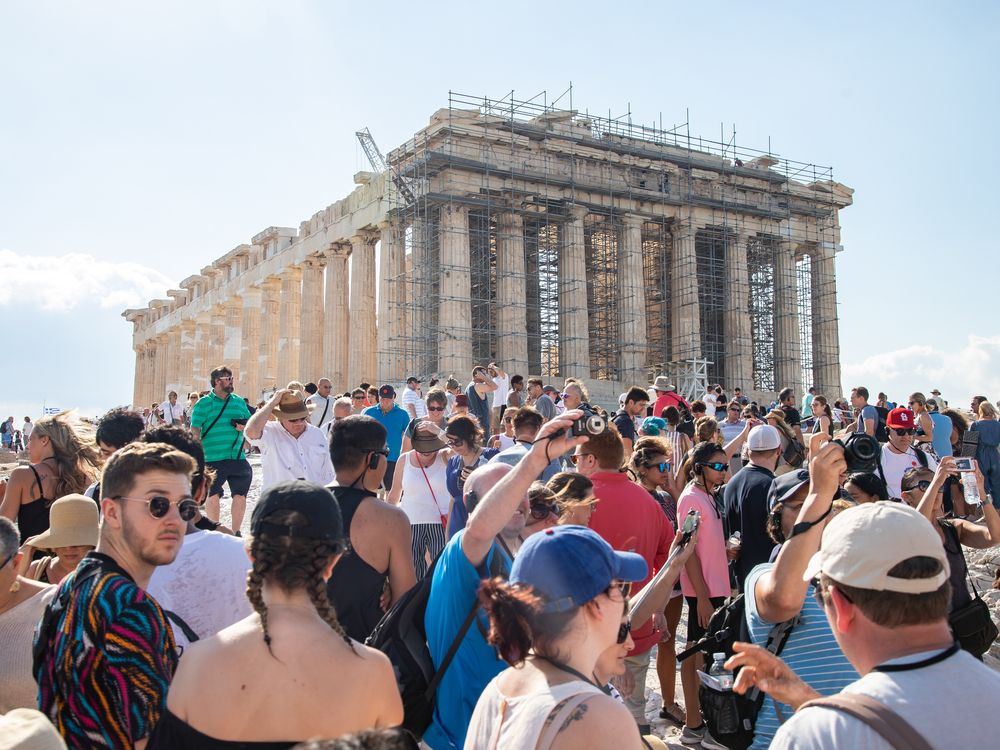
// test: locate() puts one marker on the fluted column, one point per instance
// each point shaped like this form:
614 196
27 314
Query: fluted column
290 319
685 315
337 334
216 339
173 362
187 376
512 344
826 336
574 325
361 360
455 326
736 321
632 305
311 366
787 359
202 355
232 350
249 381
390 281
140 367
270 313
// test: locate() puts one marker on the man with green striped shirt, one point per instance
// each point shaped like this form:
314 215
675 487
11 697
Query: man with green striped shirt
218 419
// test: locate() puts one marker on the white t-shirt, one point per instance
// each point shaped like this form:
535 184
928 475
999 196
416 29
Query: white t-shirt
283 457
506 442
171 412
26 429
206 584
412 398
711 401
322 412
951 703
503 389
894 465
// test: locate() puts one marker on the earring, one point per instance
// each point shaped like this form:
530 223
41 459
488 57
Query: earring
16 586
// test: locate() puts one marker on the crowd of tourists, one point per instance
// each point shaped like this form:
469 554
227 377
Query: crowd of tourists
499 565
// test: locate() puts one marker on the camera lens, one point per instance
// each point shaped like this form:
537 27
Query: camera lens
596 424
865 447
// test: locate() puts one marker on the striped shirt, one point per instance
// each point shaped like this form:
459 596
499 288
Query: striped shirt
223 440
811 651
104 677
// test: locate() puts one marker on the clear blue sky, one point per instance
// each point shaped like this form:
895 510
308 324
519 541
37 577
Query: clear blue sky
140 141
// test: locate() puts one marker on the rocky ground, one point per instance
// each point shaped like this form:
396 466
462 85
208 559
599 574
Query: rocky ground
982 565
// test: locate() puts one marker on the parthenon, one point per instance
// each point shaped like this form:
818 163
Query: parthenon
555 242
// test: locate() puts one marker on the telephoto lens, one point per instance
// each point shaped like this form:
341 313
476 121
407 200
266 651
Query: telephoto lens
861 452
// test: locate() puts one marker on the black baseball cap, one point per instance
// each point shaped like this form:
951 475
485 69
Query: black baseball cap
786 485
312 500
413 379
386 391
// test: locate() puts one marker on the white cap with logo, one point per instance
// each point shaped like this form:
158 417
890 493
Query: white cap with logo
861 545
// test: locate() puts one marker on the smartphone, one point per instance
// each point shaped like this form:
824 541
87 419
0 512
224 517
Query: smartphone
691 523
965 464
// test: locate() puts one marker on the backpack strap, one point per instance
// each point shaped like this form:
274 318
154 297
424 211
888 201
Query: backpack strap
325 410
177 621
559 716
892 727
452 650
217 416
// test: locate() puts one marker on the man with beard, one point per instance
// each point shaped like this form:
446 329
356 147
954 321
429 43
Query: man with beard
107 652
217 420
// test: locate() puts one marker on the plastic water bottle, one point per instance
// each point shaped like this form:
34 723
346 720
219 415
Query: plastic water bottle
971 488
720 673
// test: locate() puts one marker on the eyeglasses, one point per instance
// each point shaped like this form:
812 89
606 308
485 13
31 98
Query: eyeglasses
903 431
623 630
716 466
575 457
357 398
300 419
564 396
159 506
921 485
435 408
663 467
623 587
456 443
541 511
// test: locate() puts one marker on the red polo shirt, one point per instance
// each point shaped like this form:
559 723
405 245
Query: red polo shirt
670 398
630 520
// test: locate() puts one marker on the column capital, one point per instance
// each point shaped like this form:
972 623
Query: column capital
338 249
314 262
270 284
364 237
632 220
577 213
291 273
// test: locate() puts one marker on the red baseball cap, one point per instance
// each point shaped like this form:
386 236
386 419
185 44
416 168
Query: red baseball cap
900 418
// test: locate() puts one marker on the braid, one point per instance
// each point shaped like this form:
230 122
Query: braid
317 595
255 583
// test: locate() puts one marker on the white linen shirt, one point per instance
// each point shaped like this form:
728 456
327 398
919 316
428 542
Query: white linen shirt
323 405
284 457
172 412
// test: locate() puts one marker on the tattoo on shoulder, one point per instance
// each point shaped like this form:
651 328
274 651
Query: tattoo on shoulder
578 713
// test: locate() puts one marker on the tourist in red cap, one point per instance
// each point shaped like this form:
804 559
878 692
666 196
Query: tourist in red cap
899 454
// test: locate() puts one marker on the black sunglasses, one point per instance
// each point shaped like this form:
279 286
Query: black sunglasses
623 630
159 506
541 511
921 485
903 431
716 466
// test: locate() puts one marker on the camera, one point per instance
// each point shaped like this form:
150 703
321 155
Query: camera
590 423
238 422
861 452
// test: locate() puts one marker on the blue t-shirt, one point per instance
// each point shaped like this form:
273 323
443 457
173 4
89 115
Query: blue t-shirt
811 651
942 434
394 421
453 590
868 412
479 406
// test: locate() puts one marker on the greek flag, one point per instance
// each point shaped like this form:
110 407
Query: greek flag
50 410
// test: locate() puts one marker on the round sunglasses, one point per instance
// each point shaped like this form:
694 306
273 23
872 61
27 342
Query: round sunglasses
158 506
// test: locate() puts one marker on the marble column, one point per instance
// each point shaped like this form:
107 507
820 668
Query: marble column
736 316
159 389
390 280
632 305
455 322
787 357
202 354
138 384
232 349
361 359
270 312
187 378
512 344
826 337
249 381
173 362
217 339
685 314
311 366
574 325
289 321
337 319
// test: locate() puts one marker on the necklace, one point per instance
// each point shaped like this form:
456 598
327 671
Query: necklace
566 668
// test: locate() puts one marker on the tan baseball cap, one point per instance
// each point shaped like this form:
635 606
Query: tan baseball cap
861 545
28 729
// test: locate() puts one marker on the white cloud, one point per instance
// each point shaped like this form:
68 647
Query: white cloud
960 373
62 282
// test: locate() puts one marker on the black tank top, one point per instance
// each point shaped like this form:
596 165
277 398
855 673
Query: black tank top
172 733
33 517
960 595
355 586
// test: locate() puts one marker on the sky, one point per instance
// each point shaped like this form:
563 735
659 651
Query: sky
140 141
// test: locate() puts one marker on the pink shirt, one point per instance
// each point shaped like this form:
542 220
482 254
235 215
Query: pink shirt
710 550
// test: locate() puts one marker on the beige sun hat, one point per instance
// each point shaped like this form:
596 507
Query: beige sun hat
73 522
291 406
662 383
28 729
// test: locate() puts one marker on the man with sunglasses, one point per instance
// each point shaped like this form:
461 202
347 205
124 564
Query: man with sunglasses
900 455
107 652
527 423
291 447
218 419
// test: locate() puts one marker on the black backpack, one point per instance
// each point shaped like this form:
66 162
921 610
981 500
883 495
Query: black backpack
401 636
881 427
730 717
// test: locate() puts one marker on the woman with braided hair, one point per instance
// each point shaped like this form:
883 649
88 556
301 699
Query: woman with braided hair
288 672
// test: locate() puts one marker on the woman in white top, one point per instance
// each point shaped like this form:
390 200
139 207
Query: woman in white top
559 612
423 488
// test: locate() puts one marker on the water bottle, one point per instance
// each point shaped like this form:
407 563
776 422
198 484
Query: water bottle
971 488
720 673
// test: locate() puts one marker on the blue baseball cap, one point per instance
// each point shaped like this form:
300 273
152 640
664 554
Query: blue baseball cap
786 485
570 565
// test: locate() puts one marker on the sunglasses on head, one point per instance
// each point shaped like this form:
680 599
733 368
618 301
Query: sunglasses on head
158 506
903 431
715 466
